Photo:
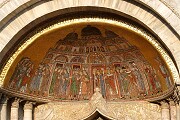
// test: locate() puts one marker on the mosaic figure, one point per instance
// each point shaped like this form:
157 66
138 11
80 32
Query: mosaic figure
98 75
125 81
45 84
164 72
133 86
75 82
65 83
22 74
111 85
138 77
37 79
56 78
119 77
153 83
129 83
84 84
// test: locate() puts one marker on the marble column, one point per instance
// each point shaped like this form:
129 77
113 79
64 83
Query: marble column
14 109
177 111
28 111
3 105
173 110
165 112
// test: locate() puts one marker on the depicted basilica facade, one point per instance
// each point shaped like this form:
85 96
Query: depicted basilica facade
101 60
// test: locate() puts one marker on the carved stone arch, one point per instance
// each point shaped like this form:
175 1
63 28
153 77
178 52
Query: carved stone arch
97 115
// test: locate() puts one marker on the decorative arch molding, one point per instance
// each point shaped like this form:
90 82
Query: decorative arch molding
15 27
155 6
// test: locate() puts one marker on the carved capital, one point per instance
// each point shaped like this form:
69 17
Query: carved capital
172 103
164 105
4 99
15 104
28 106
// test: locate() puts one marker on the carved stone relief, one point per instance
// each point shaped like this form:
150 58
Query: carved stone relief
112 110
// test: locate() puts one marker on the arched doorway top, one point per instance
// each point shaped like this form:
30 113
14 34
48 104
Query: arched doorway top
97 115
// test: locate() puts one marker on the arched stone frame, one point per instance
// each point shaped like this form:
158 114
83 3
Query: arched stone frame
159 6
169 35
97 111
167 40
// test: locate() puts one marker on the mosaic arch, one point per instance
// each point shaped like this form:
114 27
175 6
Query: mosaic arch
76 62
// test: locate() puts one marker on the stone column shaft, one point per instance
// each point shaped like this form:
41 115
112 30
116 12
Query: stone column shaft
165 112
178 111
14 109
3 105
173 110
3 111
28 111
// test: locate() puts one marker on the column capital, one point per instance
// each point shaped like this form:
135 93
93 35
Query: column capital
28 105
15 103
4 99
172 103
164 105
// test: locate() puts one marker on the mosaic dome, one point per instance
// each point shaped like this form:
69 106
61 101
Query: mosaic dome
93 58
90 30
